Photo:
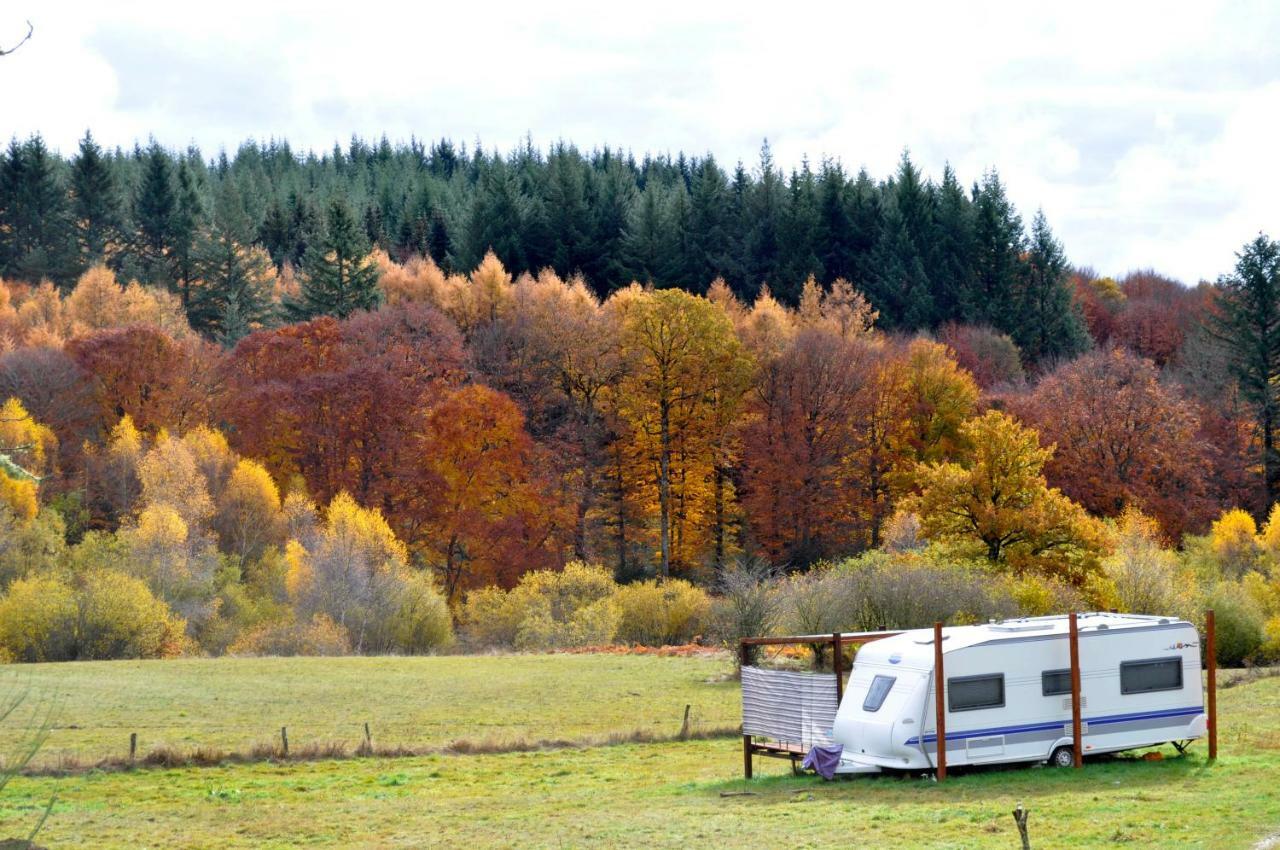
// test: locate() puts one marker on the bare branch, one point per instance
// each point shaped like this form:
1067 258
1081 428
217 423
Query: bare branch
25 38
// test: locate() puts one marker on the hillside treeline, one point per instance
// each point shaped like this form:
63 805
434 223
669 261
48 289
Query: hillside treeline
923 253
208 446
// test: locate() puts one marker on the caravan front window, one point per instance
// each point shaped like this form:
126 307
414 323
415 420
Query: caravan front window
967 693
880 687
1157 674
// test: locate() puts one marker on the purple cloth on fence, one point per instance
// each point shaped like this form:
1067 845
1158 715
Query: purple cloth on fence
823 760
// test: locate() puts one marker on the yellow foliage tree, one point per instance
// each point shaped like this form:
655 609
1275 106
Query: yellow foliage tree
247 519
1233 539
26 448
170 476
999 500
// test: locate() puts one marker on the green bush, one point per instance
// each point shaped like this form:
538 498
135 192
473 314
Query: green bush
38 620
121 618
912 590
490 618
1238 624
422 622
548 609
655 614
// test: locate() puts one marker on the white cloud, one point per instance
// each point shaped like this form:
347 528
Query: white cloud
1144 132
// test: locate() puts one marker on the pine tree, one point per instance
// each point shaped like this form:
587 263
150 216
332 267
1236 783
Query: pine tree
496 221
799 254
187 221
951 258
606 264
765 207
711 236
338 275
237 278
998 244
95 204
1049 322
36 241
154 207
647 237
1247 323
835 224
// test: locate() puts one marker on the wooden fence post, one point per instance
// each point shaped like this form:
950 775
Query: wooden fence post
1077 739
133 745
837 666
284 740
1211 650
744 656
939 682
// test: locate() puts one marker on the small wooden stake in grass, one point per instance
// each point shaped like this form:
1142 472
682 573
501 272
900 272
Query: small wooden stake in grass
1020 818
284 740
133 745
684 727
368 739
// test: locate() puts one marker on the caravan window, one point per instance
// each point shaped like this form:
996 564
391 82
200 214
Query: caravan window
967 693
880 687
1055 682
1157 674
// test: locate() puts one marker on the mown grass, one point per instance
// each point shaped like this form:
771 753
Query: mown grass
481 702
670 795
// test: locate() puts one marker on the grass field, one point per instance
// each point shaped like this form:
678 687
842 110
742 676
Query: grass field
233 704
659 795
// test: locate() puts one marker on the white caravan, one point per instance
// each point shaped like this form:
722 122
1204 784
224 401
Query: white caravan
1008 692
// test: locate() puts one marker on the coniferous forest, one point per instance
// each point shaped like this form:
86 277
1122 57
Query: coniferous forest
346 401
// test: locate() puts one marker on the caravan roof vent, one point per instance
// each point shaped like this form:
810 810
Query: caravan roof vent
1020 627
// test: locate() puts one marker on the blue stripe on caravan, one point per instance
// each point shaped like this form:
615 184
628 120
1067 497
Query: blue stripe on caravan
1044 727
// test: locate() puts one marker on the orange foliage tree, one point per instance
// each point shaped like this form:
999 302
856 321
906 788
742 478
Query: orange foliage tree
1123 438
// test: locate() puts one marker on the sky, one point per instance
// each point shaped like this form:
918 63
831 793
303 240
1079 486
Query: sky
1148 133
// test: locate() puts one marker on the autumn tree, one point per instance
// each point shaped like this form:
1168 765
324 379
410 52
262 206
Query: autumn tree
683 358
26 453
998 501
797 440
479 511
1123 439
145 373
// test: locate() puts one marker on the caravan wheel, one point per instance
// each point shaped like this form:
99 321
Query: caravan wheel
1063 757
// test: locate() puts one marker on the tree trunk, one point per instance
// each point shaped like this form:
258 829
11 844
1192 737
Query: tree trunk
664 487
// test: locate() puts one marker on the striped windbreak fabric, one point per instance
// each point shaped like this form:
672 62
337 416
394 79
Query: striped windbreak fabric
795 708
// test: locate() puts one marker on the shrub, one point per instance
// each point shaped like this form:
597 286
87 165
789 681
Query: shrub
120 618
914 590
1143 576
749 603
422 622
321 636
1238 621
1234 543
29 547
1037 596
490 617
654 614
570 607
38 620
820 601
546 610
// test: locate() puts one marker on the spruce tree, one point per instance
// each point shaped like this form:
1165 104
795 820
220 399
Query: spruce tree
236 277
187 222
998 245
339 277
711 234
606 264
951 275
1247 323
1049 322
798 258
95 203
765 208
835 224
154 207
36 238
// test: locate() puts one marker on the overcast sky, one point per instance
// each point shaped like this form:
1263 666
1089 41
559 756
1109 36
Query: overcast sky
1150 134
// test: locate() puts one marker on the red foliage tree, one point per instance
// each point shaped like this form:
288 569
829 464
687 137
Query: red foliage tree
145 373
1122 439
